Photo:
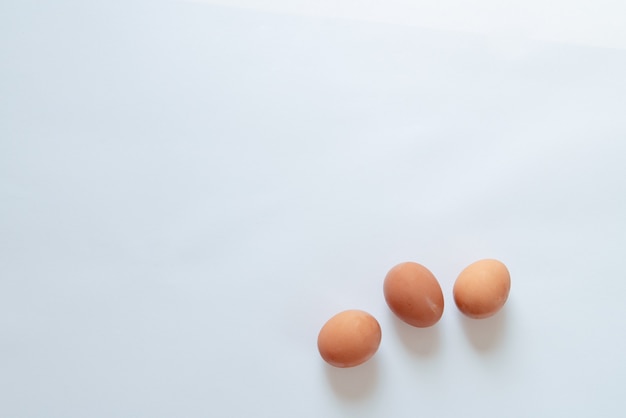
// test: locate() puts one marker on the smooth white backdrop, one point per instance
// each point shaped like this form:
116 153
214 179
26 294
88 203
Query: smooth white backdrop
597 23
189 191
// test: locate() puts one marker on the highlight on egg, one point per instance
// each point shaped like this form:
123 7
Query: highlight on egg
349 338
413 293
482 288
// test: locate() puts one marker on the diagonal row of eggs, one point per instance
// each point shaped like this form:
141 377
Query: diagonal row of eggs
414 295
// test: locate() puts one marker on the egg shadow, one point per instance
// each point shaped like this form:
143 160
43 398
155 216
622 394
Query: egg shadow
488 333
354 383
421 342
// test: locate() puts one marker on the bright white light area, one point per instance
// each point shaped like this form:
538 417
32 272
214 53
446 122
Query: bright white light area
597 23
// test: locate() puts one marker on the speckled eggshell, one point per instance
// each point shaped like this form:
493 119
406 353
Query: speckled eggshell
413 293
482 288
349 338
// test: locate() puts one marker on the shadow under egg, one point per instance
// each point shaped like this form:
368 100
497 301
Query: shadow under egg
354 383
422 342
486 334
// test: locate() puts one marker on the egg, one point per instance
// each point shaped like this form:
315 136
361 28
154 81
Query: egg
482 288
349 338
413 293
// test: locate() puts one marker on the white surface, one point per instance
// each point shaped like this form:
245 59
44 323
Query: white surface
587 22
188 192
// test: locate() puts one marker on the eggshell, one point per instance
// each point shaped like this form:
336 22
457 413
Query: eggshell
413 294
482 288
349 338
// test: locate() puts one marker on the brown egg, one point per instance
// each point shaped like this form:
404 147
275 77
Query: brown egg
349 338
413 294
482 288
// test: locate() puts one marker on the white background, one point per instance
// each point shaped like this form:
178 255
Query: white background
586 22
189 191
